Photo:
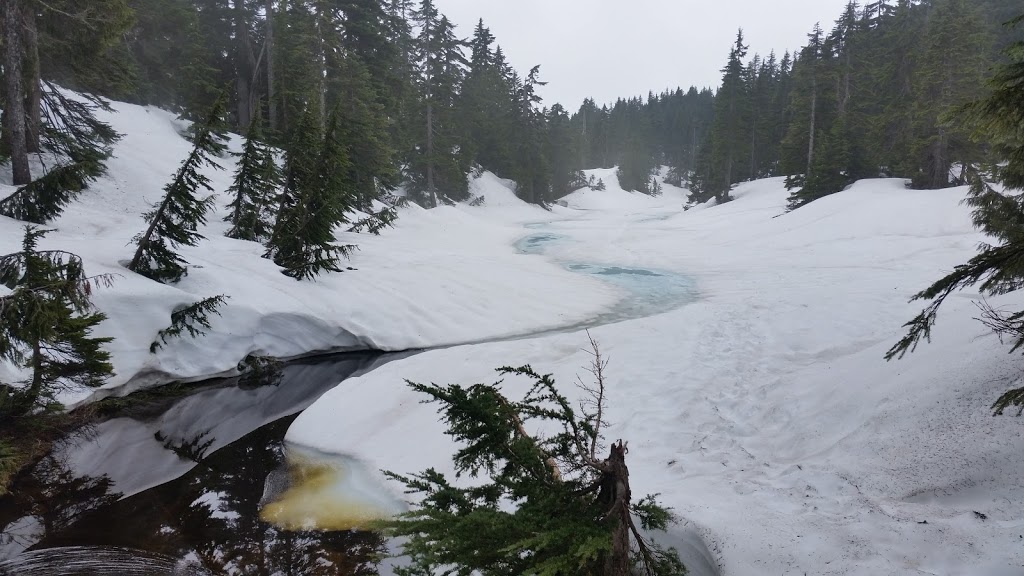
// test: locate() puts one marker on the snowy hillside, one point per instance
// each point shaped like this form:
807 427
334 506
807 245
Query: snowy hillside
763 412
442 277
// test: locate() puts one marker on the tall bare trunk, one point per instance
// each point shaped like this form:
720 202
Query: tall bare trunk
814 114
244 65
34 103
322 58
14 114
430 155
271 96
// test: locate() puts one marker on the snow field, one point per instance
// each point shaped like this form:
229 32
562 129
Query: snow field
764 412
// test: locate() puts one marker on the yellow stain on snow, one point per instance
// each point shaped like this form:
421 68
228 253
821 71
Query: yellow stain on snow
321 497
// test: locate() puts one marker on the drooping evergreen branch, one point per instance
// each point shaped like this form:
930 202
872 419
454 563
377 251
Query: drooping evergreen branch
1013 398
376 222
193 320
998 269
46 197
71 128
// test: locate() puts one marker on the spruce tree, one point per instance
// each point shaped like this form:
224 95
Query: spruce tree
48 319
174 221
314 201
254 189
541 504
997 268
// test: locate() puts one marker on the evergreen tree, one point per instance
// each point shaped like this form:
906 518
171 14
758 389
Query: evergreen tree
531 168
314 201
547 505
951 71
562 153
175 220
255 187
47 323
996 268
363 126
808 107
728 140
438 166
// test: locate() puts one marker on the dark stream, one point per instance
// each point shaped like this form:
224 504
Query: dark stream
209 459
176 486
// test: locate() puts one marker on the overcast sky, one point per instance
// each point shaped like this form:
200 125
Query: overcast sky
610 48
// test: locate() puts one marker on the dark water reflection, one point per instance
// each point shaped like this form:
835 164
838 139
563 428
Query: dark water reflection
204 521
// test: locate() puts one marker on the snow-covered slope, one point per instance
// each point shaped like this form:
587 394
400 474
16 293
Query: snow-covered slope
764 412
442 277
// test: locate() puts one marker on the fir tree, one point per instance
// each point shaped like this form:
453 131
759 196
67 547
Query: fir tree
315 200
256 181
997 269
47 323
175 220
548 505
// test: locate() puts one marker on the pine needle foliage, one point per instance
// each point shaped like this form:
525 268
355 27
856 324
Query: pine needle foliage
71 129
376 222
997 268
546 506
46 324
257 179
314 201
82 143
46 197
174 221
193 320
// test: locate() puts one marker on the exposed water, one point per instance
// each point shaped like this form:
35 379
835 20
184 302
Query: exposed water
205 521
205 484
646 292
537 243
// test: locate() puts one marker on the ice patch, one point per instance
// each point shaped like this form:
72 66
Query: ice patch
326 492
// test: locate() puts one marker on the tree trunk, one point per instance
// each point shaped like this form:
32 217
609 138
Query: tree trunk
14 114
271 102
35 390
430 155
34 104
244 67
615 493
814 113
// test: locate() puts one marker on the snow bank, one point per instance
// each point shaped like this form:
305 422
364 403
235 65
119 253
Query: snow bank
442 277
764 413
